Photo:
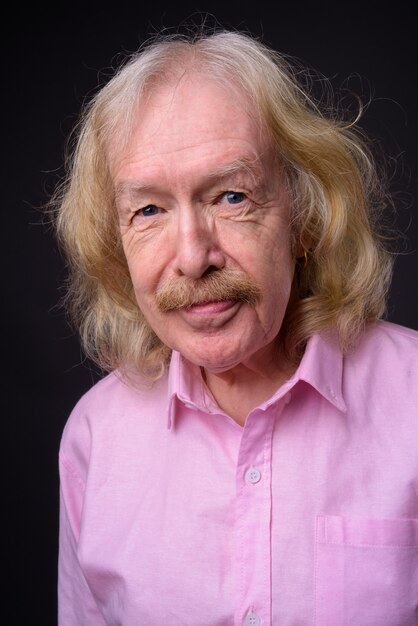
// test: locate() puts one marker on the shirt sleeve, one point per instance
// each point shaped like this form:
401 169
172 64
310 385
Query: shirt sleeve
76 604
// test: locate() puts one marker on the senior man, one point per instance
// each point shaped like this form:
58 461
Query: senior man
251 457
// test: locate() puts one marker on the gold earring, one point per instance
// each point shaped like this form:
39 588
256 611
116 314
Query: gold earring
305 256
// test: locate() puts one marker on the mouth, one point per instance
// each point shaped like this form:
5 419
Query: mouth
210 308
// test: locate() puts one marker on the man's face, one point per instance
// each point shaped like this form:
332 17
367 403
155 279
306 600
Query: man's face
200 193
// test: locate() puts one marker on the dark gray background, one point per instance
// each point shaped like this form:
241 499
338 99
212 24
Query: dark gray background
53 59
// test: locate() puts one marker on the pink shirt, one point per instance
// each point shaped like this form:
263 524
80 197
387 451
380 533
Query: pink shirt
174 515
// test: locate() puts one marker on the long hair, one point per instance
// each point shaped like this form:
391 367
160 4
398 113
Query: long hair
336 193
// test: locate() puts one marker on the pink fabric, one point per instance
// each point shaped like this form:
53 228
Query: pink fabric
174 515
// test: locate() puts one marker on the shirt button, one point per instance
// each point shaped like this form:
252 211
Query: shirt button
252 620
252 476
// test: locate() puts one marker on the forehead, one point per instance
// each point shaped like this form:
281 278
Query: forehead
190 120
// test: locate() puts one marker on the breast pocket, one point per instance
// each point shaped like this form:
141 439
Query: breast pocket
366 572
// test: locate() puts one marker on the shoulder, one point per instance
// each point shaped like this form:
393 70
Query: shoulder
393 331
114 409
383 367
387 343
116 393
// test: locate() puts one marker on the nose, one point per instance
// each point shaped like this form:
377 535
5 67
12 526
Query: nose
197 245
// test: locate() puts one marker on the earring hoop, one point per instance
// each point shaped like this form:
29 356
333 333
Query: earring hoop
305 256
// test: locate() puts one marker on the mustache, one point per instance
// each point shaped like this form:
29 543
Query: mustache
219 285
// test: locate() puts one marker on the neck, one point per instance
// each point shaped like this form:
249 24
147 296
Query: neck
246 386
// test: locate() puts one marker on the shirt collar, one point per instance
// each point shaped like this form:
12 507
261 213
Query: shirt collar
321 367
185 385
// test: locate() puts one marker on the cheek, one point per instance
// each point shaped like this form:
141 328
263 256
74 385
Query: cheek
278 283
142 282
143 271
148 260
275 266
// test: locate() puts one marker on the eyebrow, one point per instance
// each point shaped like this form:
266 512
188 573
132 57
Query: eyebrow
236 167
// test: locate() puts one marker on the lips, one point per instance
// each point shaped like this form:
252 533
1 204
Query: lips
209 316
210 308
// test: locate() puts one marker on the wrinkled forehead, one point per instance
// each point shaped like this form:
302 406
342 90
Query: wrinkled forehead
185 105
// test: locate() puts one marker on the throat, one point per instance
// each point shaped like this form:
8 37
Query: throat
237 393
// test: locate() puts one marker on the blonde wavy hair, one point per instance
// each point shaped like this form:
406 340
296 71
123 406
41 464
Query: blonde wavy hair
336 194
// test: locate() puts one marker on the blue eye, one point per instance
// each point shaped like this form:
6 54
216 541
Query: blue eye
235 197
149 211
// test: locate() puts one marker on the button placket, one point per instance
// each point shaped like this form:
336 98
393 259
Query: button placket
253 514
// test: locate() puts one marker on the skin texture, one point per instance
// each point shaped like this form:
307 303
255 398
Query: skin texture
199 189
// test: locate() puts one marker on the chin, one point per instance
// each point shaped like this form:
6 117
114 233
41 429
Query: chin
217 360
